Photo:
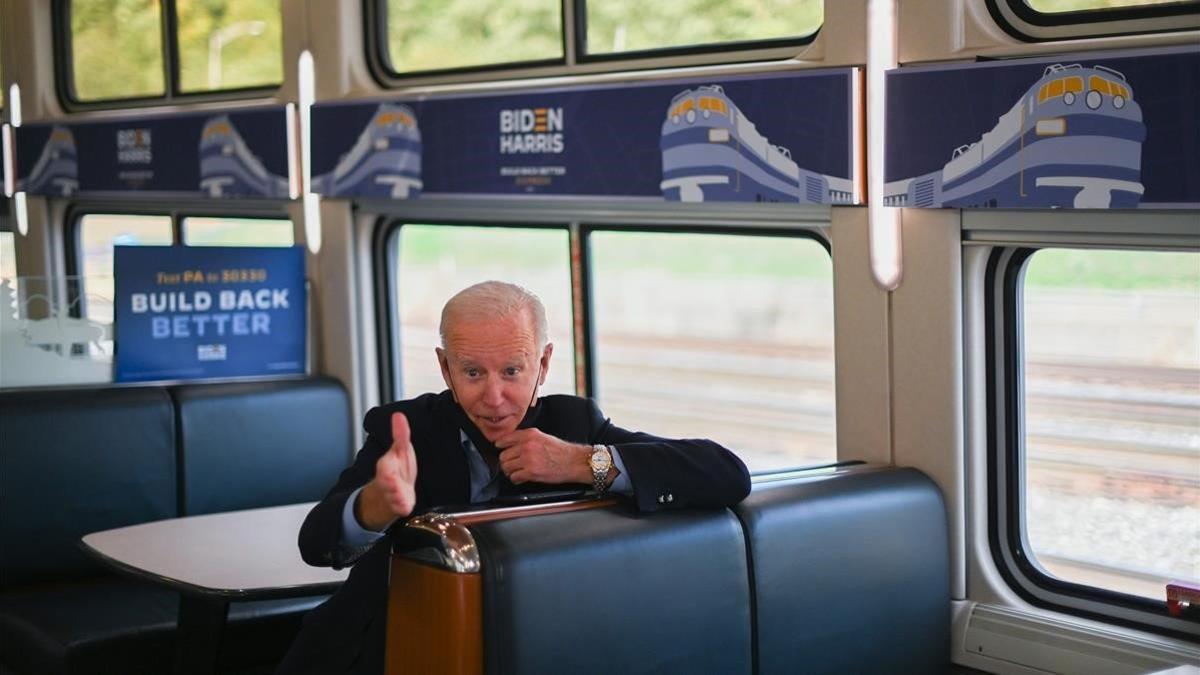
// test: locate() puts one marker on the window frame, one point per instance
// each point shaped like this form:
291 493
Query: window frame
575 59
1024 23
64 68
1010 552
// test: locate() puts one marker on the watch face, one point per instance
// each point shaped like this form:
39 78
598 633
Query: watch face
601 460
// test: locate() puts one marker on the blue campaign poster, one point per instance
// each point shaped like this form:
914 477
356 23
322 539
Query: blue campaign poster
732 138
185 313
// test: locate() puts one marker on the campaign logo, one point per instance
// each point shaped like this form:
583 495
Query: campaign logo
133 146
531 130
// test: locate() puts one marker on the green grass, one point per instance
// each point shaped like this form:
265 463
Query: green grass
1099 269
681 254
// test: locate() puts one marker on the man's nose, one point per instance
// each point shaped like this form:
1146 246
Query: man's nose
493 392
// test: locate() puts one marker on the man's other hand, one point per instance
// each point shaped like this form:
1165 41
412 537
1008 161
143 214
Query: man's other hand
392 493
531 456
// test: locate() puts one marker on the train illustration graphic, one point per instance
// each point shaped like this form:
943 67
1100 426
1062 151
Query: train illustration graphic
384 162
1073 140
56 172
229 168
712 152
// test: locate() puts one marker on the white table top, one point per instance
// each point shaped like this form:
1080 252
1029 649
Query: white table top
240 554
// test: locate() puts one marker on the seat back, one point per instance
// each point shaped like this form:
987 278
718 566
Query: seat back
609 591
257 444
75 461
851 573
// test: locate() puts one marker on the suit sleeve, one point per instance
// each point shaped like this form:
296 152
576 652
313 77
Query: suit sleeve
321 534
674 473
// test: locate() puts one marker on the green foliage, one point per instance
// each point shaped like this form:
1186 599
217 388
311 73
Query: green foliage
118 52
116 48
518 248
624 25
434 34
250 49
712 255
1099 269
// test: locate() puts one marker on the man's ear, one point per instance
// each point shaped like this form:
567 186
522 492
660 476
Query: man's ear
444 364
545 362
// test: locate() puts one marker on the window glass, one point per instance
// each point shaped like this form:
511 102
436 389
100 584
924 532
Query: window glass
8 257
116 49
437 34
1057 6
437 261
228 45
1112 417
728 337
199 231
615 26
98 234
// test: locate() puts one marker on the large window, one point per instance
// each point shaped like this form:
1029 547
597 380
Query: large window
1112 417
1037 20
433 262
412 37
444 34
712 333
1060 6
116 48
1097 426
722 336
615 26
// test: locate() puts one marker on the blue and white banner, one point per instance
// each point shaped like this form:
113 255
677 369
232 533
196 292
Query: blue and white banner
755 138
191 312
1097 131
235 154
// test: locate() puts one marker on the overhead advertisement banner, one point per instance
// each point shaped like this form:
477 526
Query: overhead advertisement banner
751 138
232 154
1102 130
185 313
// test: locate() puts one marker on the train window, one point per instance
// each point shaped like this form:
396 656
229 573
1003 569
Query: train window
1039 20
720 336
615 26
1105 436
1111 407
98 234
116 49
229 45
204 231
1059 6
432 262
424 35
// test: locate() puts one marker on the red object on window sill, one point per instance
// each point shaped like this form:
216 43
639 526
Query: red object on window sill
1181 595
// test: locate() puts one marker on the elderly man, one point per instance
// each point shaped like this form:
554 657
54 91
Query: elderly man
487 435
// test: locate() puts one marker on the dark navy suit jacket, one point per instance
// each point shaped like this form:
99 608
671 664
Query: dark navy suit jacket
346 633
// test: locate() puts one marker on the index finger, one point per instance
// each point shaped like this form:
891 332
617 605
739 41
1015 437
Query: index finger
400 433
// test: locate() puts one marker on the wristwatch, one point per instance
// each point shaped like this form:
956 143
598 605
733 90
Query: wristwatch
601 462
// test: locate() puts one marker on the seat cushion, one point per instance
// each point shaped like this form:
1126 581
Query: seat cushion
114 625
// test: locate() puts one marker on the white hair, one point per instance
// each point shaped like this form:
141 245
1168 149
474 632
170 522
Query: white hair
494 300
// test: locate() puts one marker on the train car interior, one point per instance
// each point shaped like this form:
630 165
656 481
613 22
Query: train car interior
929 268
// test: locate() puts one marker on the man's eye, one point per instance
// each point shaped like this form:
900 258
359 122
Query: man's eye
512 371
472 372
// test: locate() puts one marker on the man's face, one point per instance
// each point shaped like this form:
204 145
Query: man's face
493 368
